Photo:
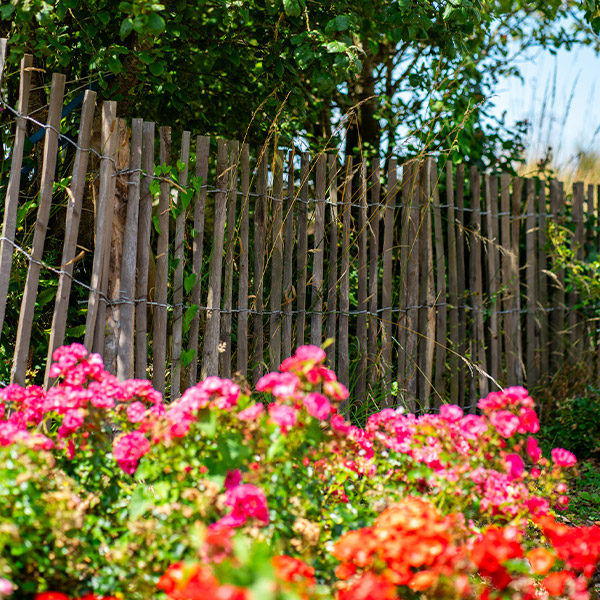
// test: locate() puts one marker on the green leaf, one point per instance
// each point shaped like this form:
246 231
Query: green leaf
336 47
276 447
188 283
126 28
208 424
141 501
104 18
187 356
46 296
292 8
188 316
7 10
156 23
341 23
157 68
155 222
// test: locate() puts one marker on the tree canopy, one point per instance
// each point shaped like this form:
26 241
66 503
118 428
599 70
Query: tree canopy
384 69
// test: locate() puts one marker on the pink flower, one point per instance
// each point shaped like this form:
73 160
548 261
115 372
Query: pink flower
528 421
313 353
336 390
73 419
563 458
128 449
251 413
538 506
505 422
6 587
340 425
136 412
247 502
515 466
233 479
473 426
451 413
281 385
285 416
317 406
533 450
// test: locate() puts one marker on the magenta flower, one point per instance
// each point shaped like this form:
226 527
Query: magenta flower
247 502
317 406
515 466
505 422
233 479
128 449
136 412
285 416
281 385
528 421
563 458
6 587
313 353
451 413
251 413
533 450
473 426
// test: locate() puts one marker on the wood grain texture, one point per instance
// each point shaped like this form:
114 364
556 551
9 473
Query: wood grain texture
11 203
159 342
74 201
26 314
361 319
179 256
143 252
557 287
202 156
316 309
302 249
212 331
276 263
544 358
532 366
373 283
288 258
332 260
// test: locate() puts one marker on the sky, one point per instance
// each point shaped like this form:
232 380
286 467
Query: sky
559 97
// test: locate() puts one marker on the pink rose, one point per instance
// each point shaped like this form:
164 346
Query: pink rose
233 479
128 449
473 426
73 419
528 422
515 466
313 353
285 416
248 502
538 506
533 450
563 458
451 413
251 413
505 422
281 385
317 406
136 412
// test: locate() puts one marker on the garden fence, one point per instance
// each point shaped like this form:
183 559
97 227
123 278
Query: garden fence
430 281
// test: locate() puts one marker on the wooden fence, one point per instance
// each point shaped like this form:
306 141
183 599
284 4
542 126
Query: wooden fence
430 281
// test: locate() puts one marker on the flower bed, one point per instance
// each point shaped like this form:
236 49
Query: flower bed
105 491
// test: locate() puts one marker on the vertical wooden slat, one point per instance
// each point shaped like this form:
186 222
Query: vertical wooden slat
508 295
302 249
227 319
477 282
11 204
493 264
590 227
557 316
3 52
516 333
159 342
426 289
143 252
410 246
543 285
242 330
75 197
343 342
453 298
109 346
260 232
575 318
288 256
316 323
461 279
202 152
386 289
361 320
440 294
373 283
531 276
276 263
129 262
212 333
26 313
179 256
332 258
